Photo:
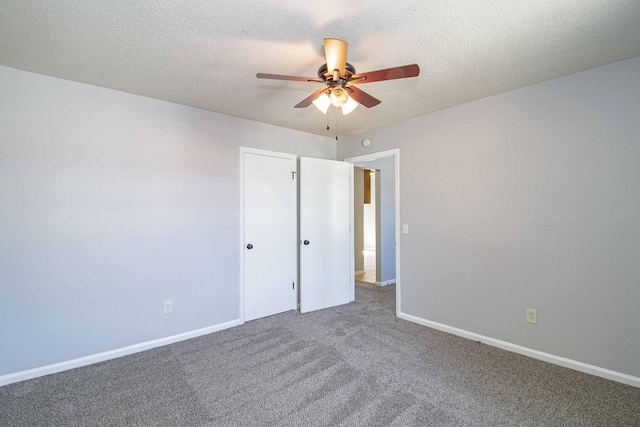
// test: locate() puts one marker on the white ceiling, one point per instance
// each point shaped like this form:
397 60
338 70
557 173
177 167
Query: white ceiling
206 53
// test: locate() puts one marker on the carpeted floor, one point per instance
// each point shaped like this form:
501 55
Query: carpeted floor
354 365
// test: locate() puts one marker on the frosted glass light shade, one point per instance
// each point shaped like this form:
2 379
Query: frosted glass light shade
349 106
339 97
322 102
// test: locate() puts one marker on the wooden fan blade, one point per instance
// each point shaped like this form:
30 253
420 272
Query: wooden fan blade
309 99
388 74
336 53
362 97
293 78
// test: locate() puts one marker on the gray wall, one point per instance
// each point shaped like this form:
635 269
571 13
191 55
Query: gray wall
527 199
111 203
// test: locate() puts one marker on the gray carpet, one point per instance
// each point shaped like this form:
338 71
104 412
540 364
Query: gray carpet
354 365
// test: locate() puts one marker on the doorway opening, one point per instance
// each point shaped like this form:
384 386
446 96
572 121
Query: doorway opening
367 220
386 185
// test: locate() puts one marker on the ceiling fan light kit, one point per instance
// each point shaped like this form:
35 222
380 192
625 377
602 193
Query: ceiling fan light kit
340 78
338 96
349 106
322 102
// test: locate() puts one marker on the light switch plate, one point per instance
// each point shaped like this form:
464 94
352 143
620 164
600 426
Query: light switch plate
405 228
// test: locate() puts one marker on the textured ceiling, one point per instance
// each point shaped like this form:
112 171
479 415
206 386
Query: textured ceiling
206 53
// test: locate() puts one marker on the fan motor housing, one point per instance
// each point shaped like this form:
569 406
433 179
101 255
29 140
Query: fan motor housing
324 74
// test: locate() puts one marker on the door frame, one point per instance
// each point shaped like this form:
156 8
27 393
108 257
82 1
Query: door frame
395 153
242 151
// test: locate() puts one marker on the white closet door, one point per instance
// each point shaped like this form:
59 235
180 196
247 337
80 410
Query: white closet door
326 254
269 234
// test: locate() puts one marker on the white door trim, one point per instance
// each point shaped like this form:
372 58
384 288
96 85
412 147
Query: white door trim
241 238
395 153
352 264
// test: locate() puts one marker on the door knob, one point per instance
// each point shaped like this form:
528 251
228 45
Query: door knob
249 246
306 242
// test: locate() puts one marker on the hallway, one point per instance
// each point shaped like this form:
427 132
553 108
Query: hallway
369 275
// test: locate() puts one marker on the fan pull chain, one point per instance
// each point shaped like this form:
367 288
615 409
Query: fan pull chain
336 123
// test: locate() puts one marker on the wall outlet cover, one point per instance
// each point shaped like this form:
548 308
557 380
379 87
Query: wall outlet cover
531 315
167 307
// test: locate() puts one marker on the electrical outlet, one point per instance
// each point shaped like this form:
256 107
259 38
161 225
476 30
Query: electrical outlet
168 307
531 315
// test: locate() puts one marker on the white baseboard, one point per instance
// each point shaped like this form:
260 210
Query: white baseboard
386 282
111 354
546 357
359 272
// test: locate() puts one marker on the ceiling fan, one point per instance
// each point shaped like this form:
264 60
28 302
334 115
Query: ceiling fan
339 79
